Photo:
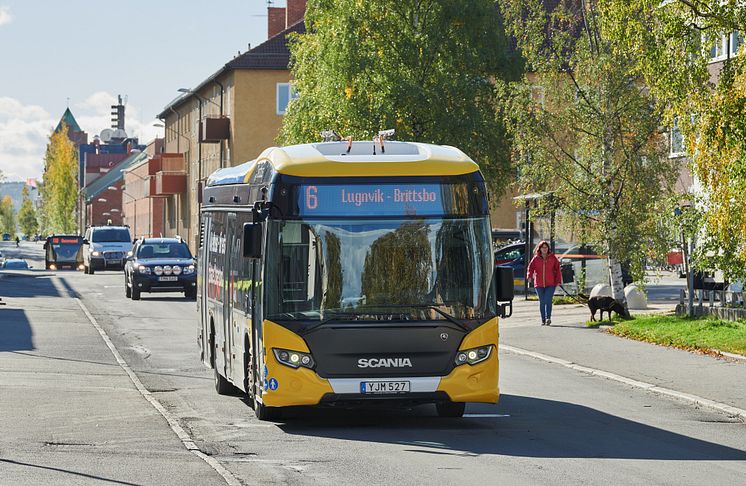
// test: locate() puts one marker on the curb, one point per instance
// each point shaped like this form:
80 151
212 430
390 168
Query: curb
694 399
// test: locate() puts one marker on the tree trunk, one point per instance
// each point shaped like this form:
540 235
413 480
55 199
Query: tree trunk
616 280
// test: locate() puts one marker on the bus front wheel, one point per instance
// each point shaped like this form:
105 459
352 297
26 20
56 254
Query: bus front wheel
450 409
265 413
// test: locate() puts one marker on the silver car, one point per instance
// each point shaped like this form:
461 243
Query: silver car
105 247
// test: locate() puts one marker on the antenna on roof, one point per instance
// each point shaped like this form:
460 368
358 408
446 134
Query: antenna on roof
387 134
383 135
330 136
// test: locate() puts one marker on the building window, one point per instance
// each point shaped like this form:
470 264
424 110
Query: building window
285 94
677 140
716 48
736 39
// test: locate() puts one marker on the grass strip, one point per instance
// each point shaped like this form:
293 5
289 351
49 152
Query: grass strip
701 334
558 299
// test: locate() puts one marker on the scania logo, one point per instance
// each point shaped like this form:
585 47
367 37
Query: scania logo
384 363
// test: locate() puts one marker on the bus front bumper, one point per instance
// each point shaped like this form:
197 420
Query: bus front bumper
284 386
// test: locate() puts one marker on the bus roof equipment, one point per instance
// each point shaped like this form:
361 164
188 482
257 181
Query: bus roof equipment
331 159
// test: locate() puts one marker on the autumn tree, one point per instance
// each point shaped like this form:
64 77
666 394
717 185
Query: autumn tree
60 184
7 216
676 41
426 68
398 266
587 129
27 215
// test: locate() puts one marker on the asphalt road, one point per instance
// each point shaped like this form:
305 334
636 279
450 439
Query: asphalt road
69 414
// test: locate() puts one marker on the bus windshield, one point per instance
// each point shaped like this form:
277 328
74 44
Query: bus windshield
65 247
411 269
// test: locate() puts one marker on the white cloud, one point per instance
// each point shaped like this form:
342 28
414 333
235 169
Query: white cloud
25 130
6 16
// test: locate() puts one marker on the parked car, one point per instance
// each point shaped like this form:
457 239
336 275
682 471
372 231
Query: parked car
105 247
508 253
6 236
160 265
14 264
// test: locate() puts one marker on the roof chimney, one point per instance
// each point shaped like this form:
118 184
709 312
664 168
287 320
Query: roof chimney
275 21
296 9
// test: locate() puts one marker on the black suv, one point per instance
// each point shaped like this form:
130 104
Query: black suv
160 265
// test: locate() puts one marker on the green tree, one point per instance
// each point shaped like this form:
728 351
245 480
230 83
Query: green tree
586 130
676 41
27 215
427 68
7 216
398 267
60 184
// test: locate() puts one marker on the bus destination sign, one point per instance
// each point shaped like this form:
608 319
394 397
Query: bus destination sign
371 200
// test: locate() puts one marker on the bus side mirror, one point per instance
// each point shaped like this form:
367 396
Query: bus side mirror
502 282
252 240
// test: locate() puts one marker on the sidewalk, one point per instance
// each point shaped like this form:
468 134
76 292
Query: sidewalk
569 339
70 414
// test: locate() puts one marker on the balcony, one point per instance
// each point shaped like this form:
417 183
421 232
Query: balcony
168 183
214 130
172 163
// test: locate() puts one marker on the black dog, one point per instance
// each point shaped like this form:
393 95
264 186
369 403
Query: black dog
606 304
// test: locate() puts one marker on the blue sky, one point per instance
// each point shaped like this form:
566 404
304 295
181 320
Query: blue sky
90 51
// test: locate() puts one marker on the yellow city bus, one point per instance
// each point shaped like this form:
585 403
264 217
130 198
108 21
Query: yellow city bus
351 273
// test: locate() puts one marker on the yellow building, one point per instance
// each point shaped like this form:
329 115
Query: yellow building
228 119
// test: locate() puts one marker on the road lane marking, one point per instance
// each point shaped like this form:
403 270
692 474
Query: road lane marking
688 397
182 434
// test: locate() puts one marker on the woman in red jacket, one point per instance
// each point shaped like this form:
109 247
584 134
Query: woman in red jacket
544 271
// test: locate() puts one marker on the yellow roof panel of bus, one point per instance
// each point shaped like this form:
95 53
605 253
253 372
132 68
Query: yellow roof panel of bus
331 159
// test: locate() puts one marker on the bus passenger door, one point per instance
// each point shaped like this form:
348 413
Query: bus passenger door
229 275
203 283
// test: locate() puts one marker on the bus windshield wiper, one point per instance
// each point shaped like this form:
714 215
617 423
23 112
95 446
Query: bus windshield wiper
426 306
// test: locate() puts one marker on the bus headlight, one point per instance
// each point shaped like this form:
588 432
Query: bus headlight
474 355
294 359
144 269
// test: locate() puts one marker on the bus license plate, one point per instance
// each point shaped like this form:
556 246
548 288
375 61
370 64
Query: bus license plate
168 279
372 387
